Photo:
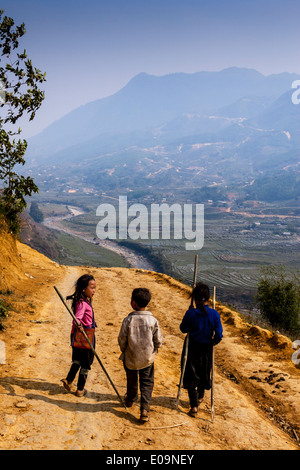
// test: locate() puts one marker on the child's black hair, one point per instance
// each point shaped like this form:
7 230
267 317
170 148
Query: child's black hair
80 285
201 294
141 296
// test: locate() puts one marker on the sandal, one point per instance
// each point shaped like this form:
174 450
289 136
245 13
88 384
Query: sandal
67 385
144 416
128 403
193 412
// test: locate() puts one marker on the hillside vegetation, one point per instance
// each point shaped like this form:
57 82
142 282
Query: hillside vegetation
257 387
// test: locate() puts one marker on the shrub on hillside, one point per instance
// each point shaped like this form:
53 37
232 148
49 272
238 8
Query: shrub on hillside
4 309
278 297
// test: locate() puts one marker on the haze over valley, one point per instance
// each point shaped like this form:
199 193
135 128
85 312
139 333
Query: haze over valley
229 140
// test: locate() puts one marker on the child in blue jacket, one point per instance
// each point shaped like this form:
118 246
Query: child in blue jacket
203 324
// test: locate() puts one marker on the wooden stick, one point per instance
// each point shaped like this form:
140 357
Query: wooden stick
161 427
195 278
90 345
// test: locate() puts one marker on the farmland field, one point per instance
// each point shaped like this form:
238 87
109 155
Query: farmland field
236 246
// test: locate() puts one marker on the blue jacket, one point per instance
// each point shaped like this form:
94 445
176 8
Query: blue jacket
202 328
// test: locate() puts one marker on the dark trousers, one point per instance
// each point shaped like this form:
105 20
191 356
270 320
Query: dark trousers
197 376
195 394
82 360
82 377
144 377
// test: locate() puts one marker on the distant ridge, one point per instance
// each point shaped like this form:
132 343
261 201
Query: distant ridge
147 101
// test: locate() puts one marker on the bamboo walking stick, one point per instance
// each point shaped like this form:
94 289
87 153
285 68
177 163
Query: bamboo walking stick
186 340
91 346
213 367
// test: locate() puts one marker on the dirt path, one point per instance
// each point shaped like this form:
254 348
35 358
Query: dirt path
257 391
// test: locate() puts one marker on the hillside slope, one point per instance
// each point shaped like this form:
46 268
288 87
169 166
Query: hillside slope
257 387
11 267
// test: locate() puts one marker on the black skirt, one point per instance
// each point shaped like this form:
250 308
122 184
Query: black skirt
198 366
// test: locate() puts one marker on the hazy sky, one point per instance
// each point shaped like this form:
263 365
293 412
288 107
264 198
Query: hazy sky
90 49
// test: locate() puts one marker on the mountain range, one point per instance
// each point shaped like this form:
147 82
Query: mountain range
231 120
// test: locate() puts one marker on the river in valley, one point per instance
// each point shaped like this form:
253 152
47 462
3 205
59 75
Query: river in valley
133 258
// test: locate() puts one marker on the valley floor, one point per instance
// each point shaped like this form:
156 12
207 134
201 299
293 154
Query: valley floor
257 387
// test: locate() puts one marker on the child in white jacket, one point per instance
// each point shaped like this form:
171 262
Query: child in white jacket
139 340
